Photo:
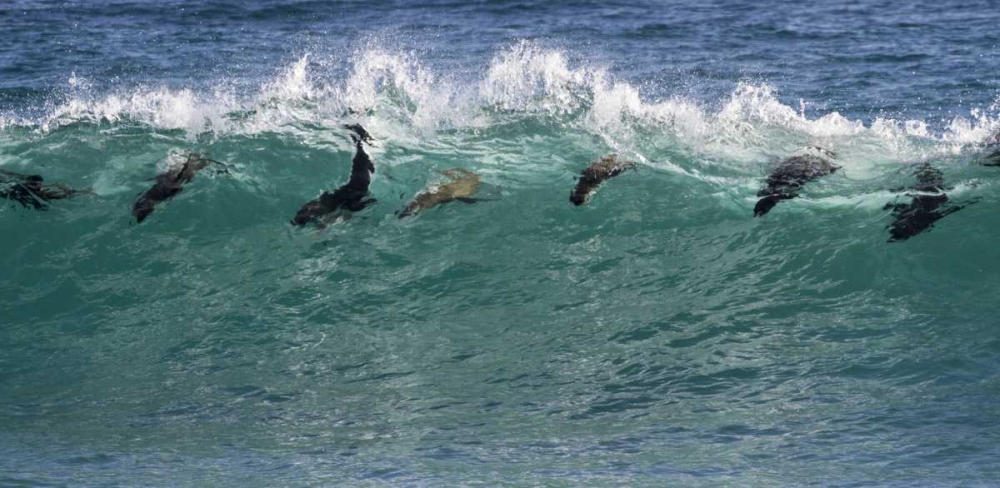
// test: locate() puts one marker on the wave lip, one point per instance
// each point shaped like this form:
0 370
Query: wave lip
400 96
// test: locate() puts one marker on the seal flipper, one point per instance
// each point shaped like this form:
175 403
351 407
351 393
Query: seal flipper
59 191
950 210
359 205
219 168
764 205
22 177
28 197
896 207
955 208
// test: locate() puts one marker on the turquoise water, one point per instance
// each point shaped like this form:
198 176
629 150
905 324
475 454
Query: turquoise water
658 336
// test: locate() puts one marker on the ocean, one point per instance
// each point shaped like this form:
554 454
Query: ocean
659 335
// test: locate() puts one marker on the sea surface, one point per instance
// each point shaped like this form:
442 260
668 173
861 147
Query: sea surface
658 336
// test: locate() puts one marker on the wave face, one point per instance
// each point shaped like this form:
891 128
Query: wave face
659 335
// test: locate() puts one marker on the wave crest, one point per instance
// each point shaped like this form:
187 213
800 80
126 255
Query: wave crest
399 95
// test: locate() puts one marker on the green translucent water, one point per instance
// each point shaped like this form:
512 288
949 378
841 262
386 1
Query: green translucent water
659 329
658 336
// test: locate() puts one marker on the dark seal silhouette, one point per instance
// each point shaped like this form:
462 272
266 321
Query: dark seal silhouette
991 152
32 191
361 132
929 205
168 185
598 172
352 197
790 174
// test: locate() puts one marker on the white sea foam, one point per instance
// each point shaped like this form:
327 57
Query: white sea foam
526 78
395 94
292 84
396 86
158 107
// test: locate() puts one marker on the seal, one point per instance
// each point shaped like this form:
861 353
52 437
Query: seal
361 132
32 191
592 176
790 174
352 196
461 187
991 155
929 205
168 185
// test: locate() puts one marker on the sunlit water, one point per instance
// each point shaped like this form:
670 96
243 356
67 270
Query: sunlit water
658 336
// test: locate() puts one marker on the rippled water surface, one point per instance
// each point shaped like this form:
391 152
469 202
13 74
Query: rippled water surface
658 336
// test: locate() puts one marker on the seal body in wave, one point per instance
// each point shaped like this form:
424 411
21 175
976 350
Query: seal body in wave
591 178
461 187
790 174
991 156
32 191
352 196
928 206
168 185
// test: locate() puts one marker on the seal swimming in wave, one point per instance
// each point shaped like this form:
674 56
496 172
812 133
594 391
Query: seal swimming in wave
992 150
928 206
790 174
352 196
461 187
168 185
32 191
591 178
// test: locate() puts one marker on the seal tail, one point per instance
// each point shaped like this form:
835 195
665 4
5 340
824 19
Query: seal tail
142 209
764 205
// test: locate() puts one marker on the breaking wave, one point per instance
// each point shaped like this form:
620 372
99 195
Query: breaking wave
525 83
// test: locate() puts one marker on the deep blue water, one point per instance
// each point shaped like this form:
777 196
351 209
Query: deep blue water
658 336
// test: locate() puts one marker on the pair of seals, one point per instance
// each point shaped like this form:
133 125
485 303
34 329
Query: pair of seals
461 187
929 204
32 191
352 196
790 174
598 172
785 180
168 185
